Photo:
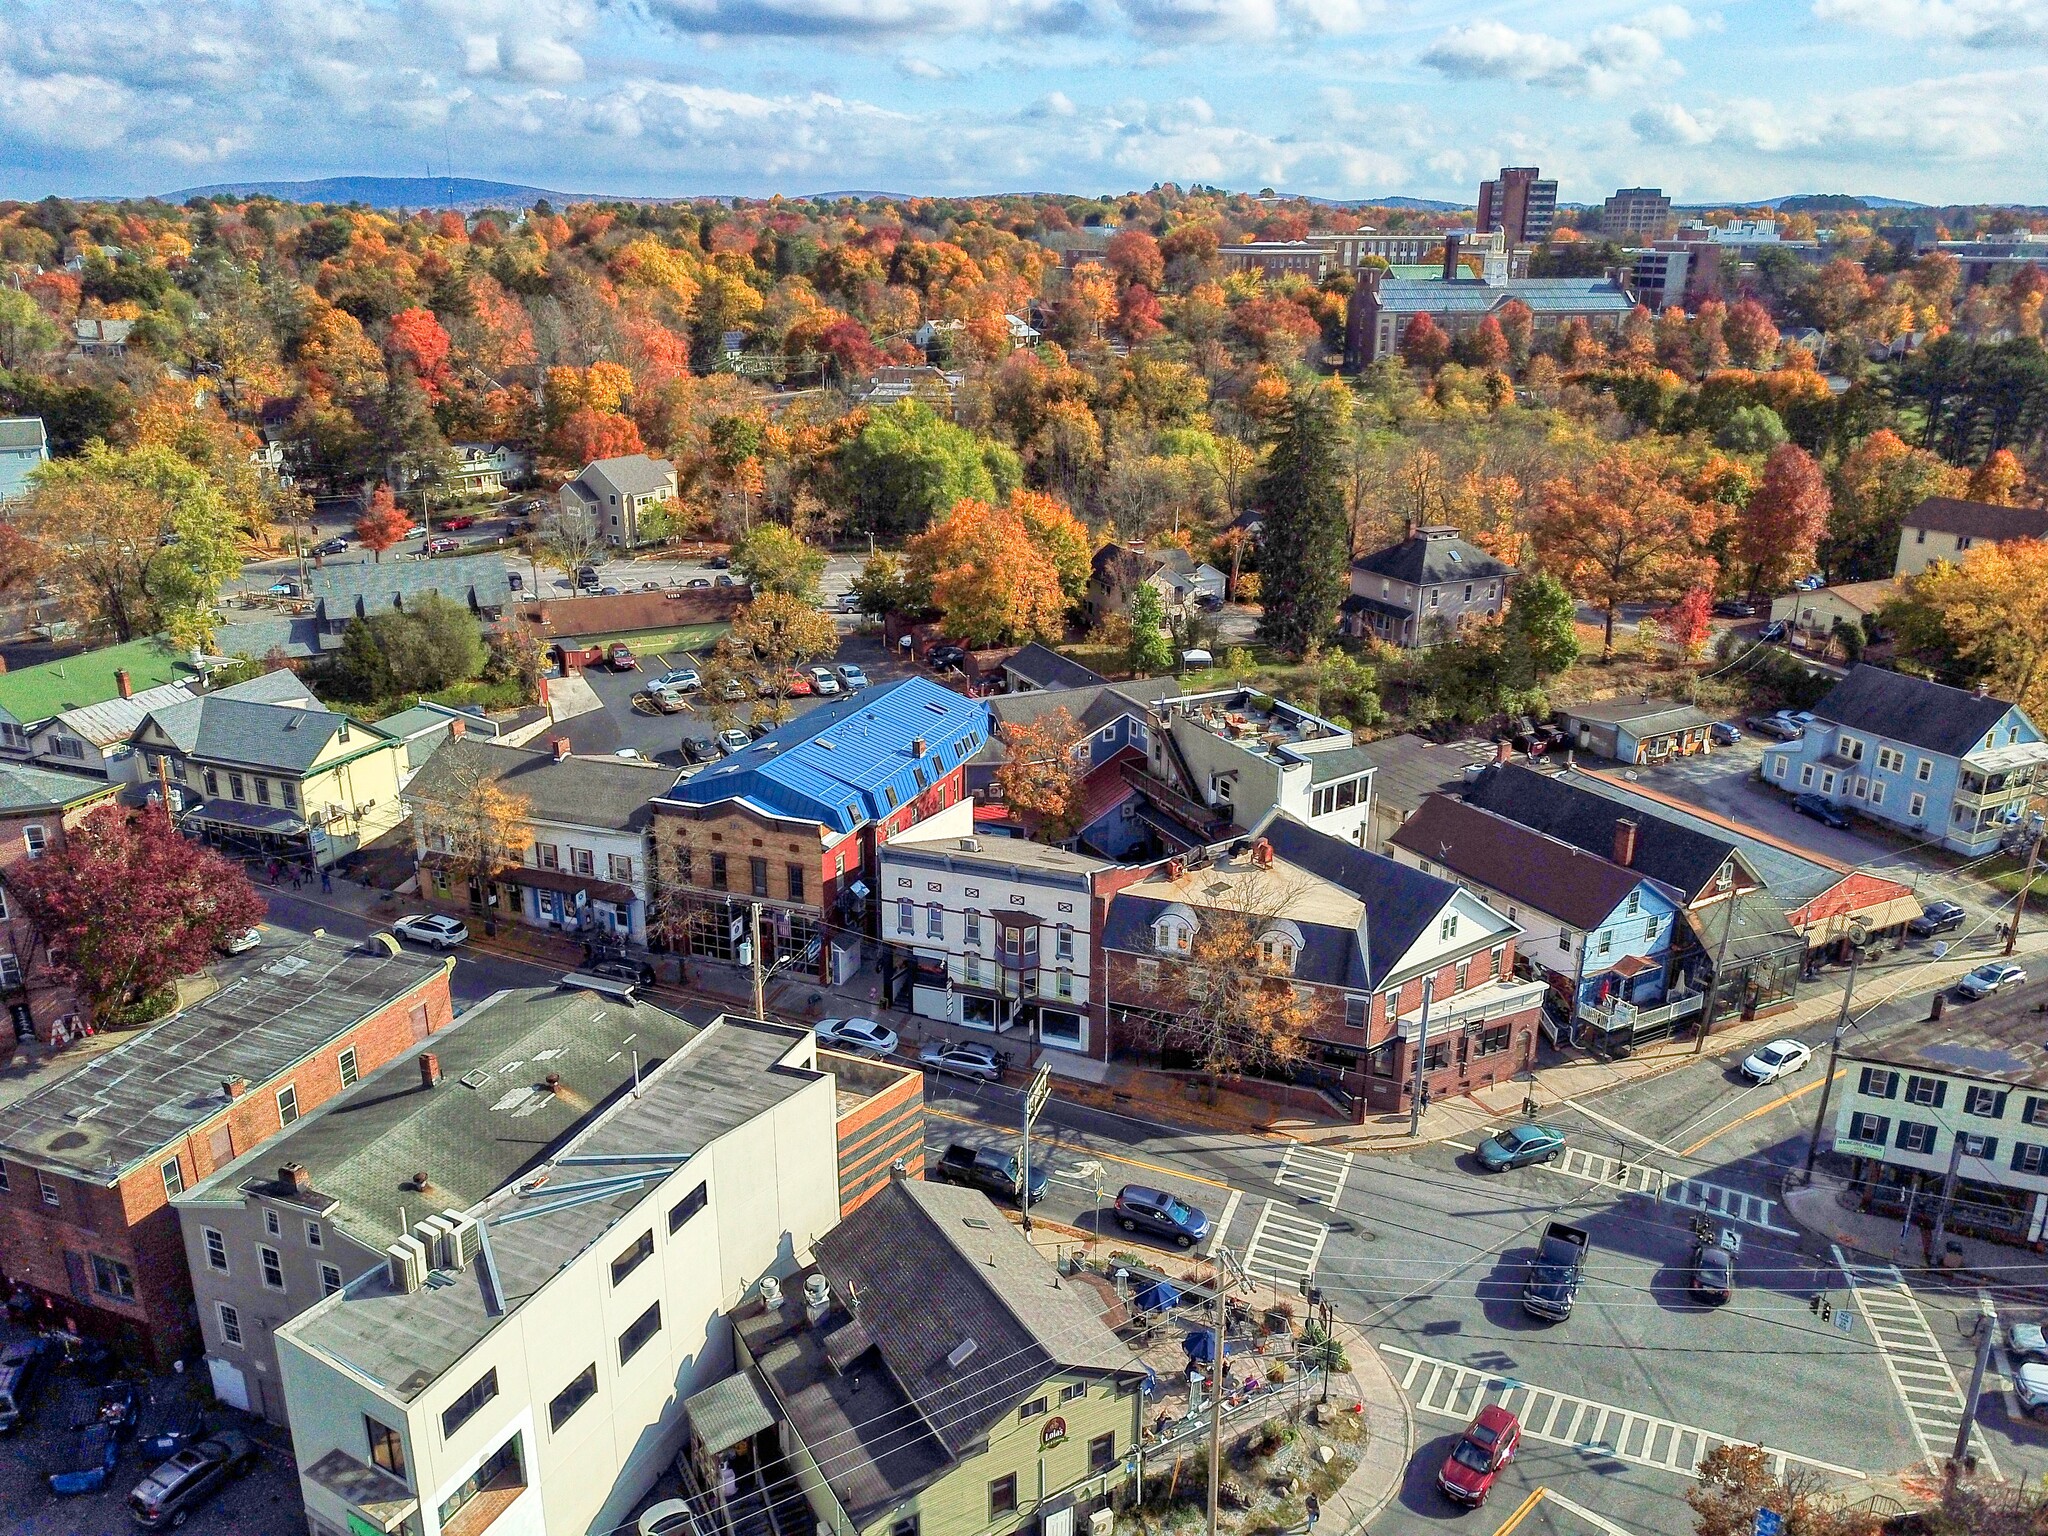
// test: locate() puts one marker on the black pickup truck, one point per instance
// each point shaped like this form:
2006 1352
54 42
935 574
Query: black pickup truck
1553 1283
992 1172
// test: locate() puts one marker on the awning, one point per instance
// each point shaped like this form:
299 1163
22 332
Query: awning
251 818
373 1495
567 884
1630 966
729 1413
1876 917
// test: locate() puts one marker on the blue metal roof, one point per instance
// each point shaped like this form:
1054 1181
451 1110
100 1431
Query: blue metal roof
850 760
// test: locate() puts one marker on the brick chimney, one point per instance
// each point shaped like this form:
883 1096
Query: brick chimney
561 746
1452 271
1502 750
124 683
1262 854
430 1069
294 1179
234 1087
455 728
1625 831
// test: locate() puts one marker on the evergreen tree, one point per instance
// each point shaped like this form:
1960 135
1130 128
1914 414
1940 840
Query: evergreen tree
1149 651
1305 554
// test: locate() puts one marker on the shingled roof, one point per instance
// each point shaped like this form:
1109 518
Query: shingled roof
1979 519
1547 873
1915 710
1432 556
357 588
609 792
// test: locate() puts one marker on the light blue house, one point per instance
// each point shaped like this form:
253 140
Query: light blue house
1938 762
23 446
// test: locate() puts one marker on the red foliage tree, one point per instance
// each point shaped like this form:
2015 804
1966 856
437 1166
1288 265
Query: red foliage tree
586 434
1134 256
850 347
1487 347
419 343
126 904
1688 621
383 525
1751 333
1780 526
1138 315
1424 344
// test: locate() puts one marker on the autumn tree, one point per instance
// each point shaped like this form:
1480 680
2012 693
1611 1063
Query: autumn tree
1688 623
979 566
1149 651
879 588
383 524
467 819
1736 1481
2000 480
908 465
125 904
1751 334
1984 620
1040 776
772 559
1622 532
770 638
1778 530
1877 483
1305 554
1424 344
1539 635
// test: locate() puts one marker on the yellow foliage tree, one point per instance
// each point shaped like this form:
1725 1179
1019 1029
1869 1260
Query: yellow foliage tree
982 569
1988 615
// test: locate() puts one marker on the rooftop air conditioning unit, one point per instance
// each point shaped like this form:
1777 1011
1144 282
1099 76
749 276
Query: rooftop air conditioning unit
406 1263
433 1235
817 1299
464 1240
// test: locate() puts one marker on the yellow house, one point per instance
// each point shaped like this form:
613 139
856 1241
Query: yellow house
933 1375
263 769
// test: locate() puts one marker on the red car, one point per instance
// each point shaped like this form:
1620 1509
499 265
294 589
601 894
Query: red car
622 658
1488 1444
798 686
453 523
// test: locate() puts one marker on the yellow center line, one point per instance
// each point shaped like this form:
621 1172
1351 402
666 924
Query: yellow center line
1761 1109
1522 1512
1129 1162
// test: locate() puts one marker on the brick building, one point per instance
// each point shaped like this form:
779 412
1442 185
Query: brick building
37 806
88 1164
1520 203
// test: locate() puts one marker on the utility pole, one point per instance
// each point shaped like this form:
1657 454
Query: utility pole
1216 1402
1857 935
1987 1328
1948 1190
760 971
1699 1042
2019 907
1421 1056
1034 1101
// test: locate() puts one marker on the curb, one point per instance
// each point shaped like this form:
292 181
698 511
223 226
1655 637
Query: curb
1378 1477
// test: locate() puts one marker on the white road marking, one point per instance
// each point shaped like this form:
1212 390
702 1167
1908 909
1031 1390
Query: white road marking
1616 1126
1920 1372
1730 1204
1222 1223
1461 1146
1598 1522
1315 1171
1283 1246
1452 1391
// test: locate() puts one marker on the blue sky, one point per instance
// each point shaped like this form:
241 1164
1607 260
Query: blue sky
1937 100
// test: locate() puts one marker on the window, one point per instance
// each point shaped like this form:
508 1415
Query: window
1030 943
687 1207
971 921
1072 1390
1357 1012
111 1278
288 789
547 855
1448 928
638 1332
2029 1157
330 1279
1877 791
584 860
1102 1453
230 1323
216 1250
1914 1136
907 1526
1172 936
464 1408
1635 902
47 1186
1806 775
934 920
1925 770
1850 749
2036 1114
287 1104
1063 982
1876 1083
346 1061
620 866
906 916
1930 1091
1985 1147
1493 1039
1916 805
1779 765
272 1265
1652 926
1063 943
313 1235
795 872
718 872
35 839
1870 1128
1606 942
174 1178
580 1391
212 783
1032 1410
1148 975
641 1251
757 873
1890 760
1987 1103
263 791
386 1449
235 786
271 1224
1002 1496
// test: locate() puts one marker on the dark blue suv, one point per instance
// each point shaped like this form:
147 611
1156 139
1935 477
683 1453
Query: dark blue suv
1158 1214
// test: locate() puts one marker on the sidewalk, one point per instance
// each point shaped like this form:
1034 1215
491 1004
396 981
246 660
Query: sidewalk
1820 1208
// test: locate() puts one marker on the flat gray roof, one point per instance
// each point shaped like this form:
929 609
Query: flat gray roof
729 1073
144 1095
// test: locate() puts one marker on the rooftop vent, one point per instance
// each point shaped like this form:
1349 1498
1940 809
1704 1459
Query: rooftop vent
817 1299
970 845
771 1294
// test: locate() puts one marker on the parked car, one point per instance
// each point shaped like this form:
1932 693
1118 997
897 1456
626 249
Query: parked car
719 563
1521 1146
1722 734
443 546
851 677
1488 1444
733 741
796 684
824 681
85 1462
671 1517
1781 1058
1936 917
732 690
668 700
989 1169
1773 631
2030 1386
620 658
587 578
697 750
333 546
1773 727
1822 810
1991 977
1140 1208
241 943
943 656
433 929
633 973
725 581
25 1367
173 1490
857 1035
967 1058
1711 1276
681 679
454 524
1811 583
608 592
697 581
416 531
2027 1342
1735 608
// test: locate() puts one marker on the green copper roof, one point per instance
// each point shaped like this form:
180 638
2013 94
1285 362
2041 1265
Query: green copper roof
36 693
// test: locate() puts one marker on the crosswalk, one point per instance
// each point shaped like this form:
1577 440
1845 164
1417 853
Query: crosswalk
1913 1358
1316 1172
1448 1390
1283 1246
1730 1204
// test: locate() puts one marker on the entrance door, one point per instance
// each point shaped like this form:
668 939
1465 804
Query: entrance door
229 1385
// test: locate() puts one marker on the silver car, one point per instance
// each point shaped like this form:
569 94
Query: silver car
966 1059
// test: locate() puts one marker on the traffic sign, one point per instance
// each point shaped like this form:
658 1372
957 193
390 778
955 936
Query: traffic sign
1845 1321
1039 1092
1769 1523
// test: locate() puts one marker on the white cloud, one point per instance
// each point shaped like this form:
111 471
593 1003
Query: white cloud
1608 59
1972 23
876 20
921 69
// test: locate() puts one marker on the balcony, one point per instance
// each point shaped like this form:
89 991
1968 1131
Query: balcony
1477 1005
1682 1005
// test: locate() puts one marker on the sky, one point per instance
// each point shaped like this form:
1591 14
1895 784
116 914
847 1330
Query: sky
1933 100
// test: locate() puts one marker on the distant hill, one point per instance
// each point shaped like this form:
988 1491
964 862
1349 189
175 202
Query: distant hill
394 192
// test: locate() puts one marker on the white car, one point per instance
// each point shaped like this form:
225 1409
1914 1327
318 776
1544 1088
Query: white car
433 930
964 1060
2027 1344
681 679
851 677
1781 1058
858 1035
730 742
241 943
823 680
2030 1386
1991 977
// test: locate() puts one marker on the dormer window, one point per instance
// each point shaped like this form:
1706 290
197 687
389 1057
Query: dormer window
1276 954
1173 933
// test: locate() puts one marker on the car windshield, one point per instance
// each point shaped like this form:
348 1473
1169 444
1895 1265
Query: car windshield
1771 1055
1175 1211
1477 1457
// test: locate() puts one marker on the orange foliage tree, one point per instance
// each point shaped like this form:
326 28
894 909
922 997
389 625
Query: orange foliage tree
1041 777
383 525
1778 531
983 570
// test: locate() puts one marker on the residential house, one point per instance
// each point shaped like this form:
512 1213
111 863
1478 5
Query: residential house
1596 930
475 469
1035 666
263 769
1117 819
1947 528
1417 592
314 1208
1933 760
101 338
38 807
613 493
422 728
525 1362
992 1394
1382 307
1638 730
1734 928
1360 938
99 739
32 697
1811 618
23 446
794 822
1181 581
893 382
1964 1100
1407 770
90 1162
584 821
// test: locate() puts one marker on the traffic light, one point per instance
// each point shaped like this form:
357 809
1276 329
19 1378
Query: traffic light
1813 1306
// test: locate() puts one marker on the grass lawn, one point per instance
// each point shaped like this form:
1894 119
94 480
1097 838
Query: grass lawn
691 637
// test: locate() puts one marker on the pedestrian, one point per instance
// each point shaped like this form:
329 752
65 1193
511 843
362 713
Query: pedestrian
728 1482
327 882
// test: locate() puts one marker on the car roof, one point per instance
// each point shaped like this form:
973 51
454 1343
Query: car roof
1139 1192
1496 1418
